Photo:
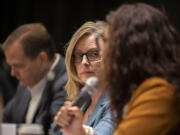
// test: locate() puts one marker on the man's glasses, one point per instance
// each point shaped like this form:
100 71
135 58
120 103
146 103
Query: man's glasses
91 55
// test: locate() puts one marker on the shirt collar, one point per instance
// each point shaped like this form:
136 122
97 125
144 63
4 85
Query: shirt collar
57 56
39 87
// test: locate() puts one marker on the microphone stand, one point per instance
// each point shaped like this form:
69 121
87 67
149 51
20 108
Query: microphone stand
47 102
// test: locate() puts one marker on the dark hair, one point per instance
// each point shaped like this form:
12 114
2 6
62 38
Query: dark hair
34 38
142 44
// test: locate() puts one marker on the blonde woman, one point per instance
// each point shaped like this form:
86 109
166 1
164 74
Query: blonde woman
83 61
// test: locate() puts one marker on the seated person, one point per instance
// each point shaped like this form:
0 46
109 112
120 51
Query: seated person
30 51
83 61
6 86
143 57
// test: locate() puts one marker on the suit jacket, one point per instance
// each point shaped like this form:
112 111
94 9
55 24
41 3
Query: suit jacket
6 86
100 119
16 109
151 110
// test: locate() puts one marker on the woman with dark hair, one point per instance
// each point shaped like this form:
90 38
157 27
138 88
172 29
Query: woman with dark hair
143 54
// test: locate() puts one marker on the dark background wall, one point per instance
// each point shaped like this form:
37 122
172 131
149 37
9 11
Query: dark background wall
63 17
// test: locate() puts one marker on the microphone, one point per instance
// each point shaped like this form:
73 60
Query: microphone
46 101
91 87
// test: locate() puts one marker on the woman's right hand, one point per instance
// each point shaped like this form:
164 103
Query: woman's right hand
69 118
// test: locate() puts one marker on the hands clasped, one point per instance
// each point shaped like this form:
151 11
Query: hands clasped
70 119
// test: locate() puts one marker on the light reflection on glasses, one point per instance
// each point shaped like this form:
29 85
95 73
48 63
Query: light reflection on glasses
91 55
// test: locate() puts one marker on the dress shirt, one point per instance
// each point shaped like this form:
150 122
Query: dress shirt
36 93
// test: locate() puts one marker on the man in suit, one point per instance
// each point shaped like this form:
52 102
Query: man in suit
30 51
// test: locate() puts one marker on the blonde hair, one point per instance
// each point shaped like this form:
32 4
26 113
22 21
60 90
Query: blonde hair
73 84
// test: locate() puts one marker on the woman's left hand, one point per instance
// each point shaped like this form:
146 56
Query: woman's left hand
70 119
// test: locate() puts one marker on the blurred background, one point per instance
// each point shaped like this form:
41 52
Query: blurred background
63 17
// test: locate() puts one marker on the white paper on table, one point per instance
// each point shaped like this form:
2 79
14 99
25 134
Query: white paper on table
8 129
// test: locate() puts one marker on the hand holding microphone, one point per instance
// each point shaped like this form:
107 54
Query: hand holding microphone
69 119
70 116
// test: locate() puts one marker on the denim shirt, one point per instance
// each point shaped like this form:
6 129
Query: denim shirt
100 119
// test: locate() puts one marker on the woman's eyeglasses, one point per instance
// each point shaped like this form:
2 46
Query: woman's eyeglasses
91 55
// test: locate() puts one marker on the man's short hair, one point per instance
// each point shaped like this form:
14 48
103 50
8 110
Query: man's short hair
34 39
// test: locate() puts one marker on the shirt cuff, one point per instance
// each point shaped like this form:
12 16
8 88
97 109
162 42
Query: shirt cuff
88 130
